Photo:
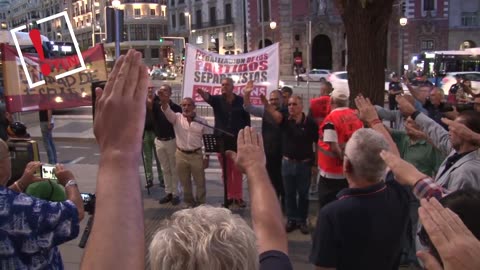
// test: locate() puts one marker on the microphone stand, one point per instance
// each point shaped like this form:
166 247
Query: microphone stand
221 149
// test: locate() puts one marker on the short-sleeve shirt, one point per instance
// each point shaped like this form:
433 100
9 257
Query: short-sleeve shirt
229 117
297 138
363 229
275 260
31 230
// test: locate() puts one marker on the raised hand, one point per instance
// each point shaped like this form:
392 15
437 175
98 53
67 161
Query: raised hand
405 173
264 100
405 106
250 151
63 175
458 248
462 131
367 112
120 113
248 88
28 176
203 94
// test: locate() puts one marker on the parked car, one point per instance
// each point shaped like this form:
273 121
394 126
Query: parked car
162 74
450 80
314 75
339 81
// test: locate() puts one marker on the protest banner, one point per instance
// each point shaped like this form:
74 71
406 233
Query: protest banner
205 70
67 92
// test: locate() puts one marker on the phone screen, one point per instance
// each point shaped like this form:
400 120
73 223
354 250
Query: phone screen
48 172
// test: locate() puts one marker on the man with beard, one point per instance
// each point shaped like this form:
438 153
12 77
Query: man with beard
189 129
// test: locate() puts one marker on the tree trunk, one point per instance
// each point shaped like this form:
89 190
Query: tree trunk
366 29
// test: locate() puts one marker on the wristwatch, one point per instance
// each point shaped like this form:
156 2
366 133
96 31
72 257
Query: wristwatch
71 183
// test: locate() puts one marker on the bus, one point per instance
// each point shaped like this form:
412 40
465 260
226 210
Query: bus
439 63
25 44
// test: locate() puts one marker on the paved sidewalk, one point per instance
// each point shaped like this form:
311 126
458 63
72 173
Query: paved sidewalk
155 213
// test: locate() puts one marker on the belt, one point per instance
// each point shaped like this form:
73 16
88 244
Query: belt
296 160
165 139
189 151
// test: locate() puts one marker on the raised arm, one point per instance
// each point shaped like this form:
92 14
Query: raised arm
385 114
247 105
266 214
270 109
462 131
118 228
169 114
369 114
204 95
438 135
414 91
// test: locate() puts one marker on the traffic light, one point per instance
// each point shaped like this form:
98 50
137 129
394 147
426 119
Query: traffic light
404 7
183 54
110 27
161 40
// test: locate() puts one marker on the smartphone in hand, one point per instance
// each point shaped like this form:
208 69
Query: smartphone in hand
47 171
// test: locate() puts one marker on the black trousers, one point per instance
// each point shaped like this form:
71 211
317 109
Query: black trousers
274 169
328 189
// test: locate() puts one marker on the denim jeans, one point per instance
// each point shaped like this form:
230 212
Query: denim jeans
296 181
48 143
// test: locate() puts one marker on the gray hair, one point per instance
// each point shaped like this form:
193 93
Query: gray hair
204 237
363 152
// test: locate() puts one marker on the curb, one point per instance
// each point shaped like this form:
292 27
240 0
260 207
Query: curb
66 139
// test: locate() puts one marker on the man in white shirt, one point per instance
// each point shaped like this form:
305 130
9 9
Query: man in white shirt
189 157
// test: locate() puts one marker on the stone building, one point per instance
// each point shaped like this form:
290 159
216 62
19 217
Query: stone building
328 44
464 24
214 25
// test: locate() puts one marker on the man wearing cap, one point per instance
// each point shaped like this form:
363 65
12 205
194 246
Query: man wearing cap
190 162
165 144
337 128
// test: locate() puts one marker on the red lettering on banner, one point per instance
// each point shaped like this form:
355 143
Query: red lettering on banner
263 65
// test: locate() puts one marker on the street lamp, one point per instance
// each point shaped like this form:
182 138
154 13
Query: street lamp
187 14
116 5
273 25
403 22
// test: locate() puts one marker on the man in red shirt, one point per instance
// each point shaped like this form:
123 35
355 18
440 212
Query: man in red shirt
336 130
320 106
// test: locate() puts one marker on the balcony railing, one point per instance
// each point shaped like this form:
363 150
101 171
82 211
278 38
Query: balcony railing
210 24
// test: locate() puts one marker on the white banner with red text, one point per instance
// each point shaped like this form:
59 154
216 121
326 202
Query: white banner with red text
206 70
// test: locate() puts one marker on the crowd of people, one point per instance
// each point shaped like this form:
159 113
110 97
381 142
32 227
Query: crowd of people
370 177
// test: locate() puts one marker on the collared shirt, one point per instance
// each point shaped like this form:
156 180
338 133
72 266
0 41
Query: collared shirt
162 127
229 117
363 229
424 156
32 229
452 160
189 135
297 138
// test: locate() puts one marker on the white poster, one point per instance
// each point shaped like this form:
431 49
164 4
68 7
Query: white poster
205 70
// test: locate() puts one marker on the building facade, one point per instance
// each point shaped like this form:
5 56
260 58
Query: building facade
464 24
327 46
214 25
145 23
